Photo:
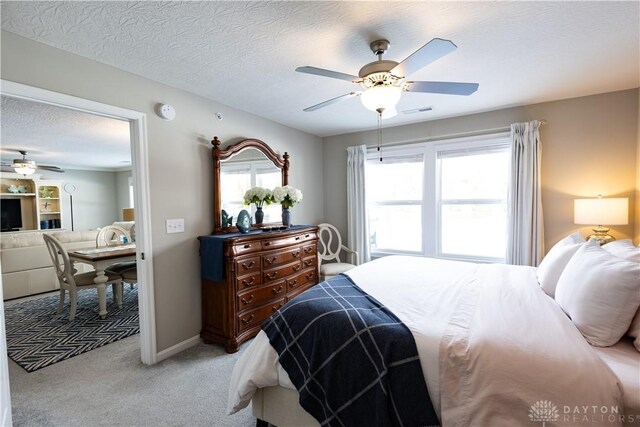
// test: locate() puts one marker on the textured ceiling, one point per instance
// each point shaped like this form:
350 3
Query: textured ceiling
61 137
244 54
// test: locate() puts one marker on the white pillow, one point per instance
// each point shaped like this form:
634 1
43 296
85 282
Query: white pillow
623 249
600 292
554 262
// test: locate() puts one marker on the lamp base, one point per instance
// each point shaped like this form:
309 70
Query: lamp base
601 236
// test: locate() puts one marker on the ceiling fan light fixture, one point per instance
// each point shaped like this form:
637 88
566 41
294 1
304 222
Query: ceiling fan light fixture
24 167
385 97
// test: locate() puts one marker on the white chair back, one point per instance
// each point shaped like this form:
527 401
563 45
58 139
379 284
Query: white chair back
111 235
61 262
329 243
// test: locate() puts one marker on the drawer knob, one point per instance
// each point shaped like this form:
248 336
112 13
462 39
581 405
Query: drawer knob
308 262
309 276
296 267
267 243
306 235
273 275
247 320
248 282
248 265
272 260
248 300
276 308
277 291
308 250
247 246
296 254
294 283
297 237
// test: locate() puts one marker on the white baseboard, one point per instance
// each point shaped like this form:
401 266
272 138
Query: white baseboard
175 349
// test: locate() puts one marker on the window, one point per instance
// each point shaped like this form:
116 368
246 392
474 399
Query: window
394 199
444 199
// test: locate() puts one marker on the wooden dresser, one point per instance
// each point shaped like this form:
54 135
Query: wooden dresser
246 278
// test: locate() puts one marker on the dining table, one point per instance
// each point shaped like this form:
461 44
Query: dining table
101 259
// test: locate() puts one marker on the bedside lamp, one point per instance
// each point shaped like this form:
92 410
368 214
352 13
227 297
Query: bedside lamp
601 211
128 214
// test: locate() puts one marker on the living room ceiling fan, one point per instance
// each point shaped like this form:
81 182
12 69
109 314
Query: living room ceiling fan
26 167
383 81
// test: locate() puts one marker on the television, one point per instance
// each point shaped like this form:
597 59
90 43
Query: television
10 214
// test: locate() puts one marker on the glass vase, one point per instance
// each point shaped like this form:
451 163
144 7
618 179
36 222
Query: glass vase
286 217
259 215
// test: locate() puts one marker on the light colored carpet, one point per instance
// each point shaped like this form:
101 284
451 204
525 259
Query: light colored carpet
109 386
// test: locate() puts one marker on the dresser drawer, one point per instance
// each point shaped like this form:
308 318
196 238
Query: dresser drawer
287 241
256 316
247 282
281 272
310 262
255 297
248 265
299 280
274 259
246 248
309 250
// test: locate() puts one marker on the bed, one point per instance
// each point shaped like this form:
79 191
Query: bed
493 347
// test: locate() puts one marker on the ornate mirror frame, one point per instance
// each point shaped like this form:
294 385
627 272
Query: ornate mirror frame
218 155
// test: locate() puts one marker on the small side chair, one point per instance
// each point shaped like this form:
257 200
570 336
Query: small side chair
329 248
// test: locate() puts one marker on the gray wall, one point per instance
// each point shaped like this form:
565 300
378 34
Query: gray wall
122 189
589 148
180 164
94 201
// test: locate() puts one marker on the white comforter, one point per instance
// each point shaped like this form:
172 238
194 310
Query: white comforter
491 345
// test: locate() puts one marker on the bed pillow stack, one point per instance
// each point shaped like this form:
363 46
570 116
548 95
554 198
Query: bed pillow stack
556 260
600 292
625 250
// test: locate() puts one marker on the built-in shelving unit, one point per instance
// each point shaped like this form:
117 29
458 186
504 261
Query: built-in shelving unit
40 205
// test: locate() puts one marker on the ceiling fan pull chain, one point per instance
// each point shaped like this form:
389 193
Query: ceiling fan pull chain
380 111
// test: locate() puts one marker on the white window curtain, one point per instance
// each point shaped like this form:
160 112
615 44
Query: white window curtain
357 223
525 240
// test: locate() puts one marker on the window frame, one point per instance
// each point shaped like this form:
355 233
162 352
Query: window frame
431 188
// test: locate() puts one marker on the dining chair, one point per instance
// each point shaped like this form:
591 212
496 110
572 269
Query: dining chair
112 235
71 282
329 252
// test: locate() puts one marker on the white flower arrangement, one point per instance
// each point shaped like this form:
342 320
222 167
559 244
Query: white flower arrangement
287 196
259 196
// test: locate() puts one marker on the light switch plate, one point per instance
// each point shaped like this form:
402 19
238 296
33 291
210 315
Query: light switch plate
175 225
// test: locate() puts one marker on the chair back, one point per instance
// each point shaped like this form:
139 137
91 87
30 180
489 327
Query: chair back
61 262
111 235
132 232
329 243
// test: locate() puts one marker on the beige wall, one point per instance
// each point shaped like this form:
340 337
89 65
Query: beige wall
589 148
637 228
180 164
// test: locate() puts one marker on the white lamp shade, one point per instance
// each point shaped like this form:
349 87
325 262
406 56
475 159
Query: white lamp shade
601 211
381 97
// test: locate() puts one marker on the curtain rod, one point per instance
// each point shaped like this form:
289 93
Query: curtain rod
449 136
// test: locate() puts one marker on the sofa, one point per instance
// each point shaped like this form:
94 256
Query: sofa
26 265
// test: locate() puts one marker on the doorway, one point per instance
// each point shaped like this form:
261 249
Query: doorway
140 178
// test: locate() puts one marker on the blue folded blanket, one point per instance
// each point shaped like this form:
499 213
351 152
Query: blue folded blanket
353 362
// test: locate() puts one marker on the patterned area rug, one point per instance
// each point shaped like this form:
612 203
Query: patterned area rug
38 337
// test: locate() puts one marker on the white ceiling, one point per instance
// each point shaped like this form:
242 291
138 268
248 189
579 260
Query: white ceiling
244 54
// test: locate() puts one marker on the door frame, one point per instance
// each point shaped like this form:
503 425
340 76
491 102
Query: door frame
140 172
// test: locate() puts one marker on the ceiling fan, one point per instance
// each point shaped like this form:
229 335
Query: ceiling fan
384 81
26 167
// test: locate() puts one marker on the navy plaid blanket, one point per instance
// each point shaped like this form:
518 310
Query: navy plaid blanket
353 362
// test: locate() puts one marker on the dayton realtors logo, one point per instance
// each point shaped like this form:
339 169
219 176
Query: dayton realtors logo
544 411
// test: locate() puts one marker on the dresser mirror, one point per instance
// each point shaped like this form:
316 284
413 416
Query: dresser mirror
245 164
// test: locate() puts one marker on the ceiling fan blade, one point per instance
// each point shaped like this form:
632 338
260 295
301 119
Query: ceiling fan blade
448 88
435 49
332 101
50 168
327 73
